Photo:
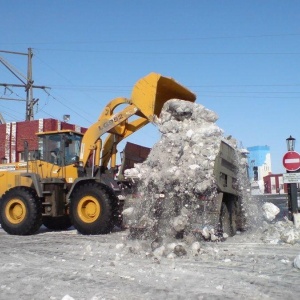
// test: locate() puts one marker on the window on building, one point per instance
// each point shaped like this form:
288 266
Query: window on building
32 155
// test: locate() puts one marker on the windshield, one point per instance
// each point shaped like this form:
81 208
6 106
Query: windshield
72 149
60 149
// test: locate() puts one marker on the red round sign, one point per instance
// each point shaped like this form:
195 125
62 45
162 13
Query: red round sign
291 161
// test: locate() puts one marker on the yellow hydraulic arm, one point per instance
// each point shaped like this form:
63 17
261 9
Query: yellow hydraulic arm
147 99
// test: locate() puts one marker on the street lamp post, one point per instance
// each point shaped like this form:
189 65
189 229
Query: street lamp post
290 142
292 187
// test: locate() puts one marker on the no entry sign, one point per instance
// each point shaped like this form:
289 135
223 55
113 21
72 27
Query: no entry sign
291 161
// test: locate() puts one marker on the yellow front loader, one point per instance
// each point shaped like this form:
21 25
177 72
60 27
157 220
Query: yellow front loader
70 181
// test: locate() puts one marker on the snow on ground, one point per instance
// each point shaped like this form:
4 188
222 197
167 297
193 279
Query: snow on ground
261 263
51 265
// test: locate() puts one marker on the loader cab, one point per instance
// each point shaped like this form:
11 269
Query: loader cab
59 147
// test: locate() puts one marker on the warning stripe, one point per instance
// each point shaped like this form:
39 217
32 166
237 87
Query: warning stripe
7 141
291 160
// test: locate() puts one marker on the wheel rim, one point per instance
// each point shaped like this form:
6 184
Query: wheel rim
88 209
15 211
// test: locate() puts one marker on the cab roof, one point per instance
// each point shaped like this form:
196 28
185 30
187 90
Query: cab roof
59 132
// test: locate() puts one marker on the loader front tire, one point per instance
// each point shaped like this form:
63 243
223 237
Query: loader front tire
91 210
20 211
57 223
117 208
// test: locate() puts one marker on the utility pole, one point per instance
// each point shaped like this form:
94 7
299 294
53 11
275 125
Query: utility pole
27 83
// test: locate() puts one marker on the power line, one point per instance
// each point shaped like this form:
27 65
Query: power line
128 88
9 114
70 108
252 97
42 110
171 53
27 83
128 41
71 87
248 85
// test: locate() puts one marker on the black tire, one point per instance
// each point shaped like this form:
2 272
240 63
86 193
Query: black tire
228 219
225 220
57 223
240 216
91 210
117 208
117 217
20 211
232 217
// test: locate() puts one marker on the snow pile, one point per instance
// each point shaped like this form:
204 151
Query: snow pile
281 232
67 297
270 211
189 144
179 170
297 262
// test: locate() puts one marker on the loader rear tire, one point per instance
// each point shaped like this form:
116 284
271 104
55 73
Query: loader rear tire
91 209
227 220
233 217
57 223
20 211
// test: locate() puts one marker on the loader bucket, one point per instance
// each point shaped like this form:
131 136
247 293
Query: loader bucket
151 92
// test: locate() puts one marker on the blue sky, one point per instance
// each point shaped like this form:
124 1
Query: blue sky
241 58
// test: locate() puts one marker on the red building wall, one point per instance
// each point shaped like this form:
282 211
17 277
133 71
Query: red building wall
276 179
2 139
25 131
13 135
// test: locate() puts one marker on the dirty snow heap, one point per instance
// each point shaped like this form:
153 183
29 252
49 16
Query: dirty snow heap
180 169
